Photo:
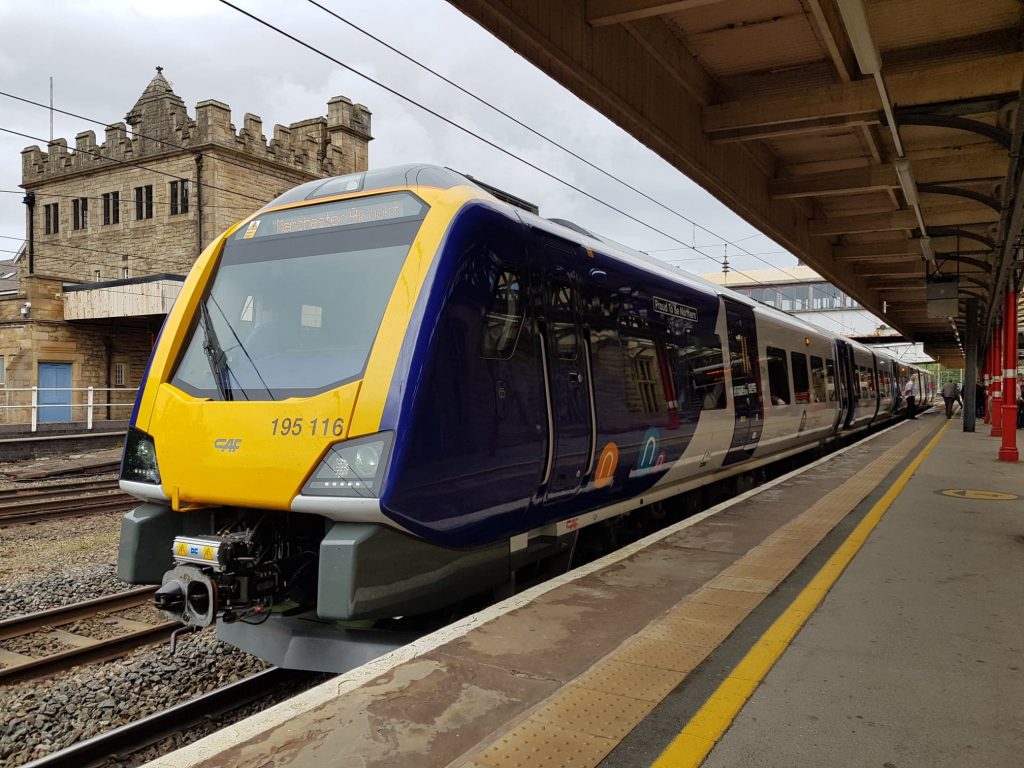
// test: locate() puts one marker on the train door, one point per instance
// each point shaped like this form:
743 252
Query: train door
848 388
747 395
567 368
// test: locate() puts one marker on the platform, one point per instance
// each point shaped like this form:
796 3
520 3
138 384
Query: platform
780 628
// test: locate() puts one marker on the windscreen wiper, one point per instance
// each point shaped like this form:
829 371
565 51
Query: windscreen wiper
238 343
215 355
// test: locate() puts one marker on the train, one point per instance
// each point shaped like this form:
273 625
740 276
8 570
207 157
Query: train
385 392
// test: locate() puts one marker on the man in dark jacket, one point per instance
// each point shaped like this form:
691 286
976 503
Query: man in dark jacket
950 394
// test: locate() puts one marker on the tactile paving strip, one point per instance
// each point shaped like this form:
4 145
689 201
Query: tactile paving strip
580 724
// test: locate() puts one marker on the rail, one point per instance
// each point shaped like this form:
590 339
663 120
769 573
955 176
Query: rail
90 404
42 506
81 645
129 739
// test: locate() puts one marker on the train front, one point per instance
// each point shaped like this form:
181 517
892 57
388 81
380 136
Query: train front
260 439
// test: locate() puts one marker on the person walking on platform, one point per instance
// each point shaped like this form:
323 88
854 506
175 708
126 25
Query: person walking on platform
950 394
979 400
910 395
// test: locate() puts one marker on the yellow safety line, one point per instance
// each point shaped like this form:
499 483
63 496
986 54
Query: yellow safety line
700 735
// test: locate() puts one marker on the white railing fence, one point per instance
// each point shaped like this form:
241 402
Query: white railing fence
106 399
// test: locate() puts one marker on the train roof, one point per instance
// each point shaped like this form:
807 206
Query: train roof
427 175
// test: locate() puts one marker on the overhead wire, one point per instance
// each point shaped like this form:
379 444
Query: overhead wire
178 177
44 244
438 116
134 133
568 151
126 201
494 145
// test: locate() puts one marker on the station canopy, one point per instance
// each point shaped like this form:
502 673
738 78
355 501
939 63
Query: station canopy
872 138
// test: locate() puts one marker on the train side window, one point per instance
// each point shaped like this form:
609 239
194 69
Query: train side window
801 386
563 322
865 382
707 374
830 379
644 374
778 376
818 379
504 318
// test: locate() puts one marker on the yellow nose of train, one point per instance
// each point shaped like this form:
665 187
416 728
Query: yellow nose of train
284 342
250 454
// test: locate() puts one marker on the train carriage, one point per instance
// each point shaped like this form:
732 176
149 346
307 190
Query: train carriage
385 392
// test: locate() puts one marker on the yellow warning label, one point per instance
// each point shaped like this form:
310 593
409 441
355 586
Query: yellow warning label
207 553
961 493
181 549
250 231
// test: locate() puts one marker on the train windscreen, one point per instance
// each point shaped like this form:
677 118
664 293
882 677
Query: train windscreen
297 298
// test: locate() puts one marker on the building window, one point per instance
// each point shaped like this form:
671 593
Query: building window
80 213
144 202
794 298
179 197
52 219
312 316
125 273
96 275
120 374
111 207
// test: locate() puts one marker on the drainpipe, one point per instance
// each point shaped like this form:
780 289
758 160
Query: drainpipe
199 204
30 201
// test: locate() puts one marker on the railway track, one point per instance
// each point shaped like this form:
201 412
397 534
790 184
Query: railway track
53 491
120 743
30 504
40 644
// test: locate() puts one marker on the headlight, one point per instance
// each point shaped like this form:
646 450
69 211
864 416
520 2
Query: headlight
139 461
351 468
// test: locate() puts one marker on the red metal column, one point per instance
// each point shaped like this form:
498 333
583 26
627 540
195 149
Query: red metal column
987 383
997 388
1008 451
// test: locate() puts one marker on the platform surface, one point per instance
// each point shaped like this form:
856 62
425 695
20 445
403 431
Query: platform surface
912 658
916 657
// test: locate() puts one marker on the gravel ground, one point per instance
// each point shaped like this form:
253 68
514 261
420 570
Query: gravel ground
57 562
199 730
38 717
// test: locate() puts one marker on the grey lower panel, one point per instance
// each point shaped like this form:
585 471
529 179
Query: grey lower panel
147 537
303 642
373 572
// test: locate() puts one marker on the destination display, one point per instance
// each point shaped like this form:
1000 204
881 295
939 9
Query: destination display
342 213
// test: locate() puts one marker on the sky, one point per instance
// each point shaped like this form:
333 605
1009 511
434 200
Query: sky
101 54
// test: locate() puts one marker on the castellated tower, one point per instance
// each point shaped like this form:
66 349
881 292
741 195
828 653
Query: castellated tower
201 175
112 227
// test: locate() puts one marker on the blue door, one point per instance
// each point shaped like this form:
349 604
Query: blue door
54 406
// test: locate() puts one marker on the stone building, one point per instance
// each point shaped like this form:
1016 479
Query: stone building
113 227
